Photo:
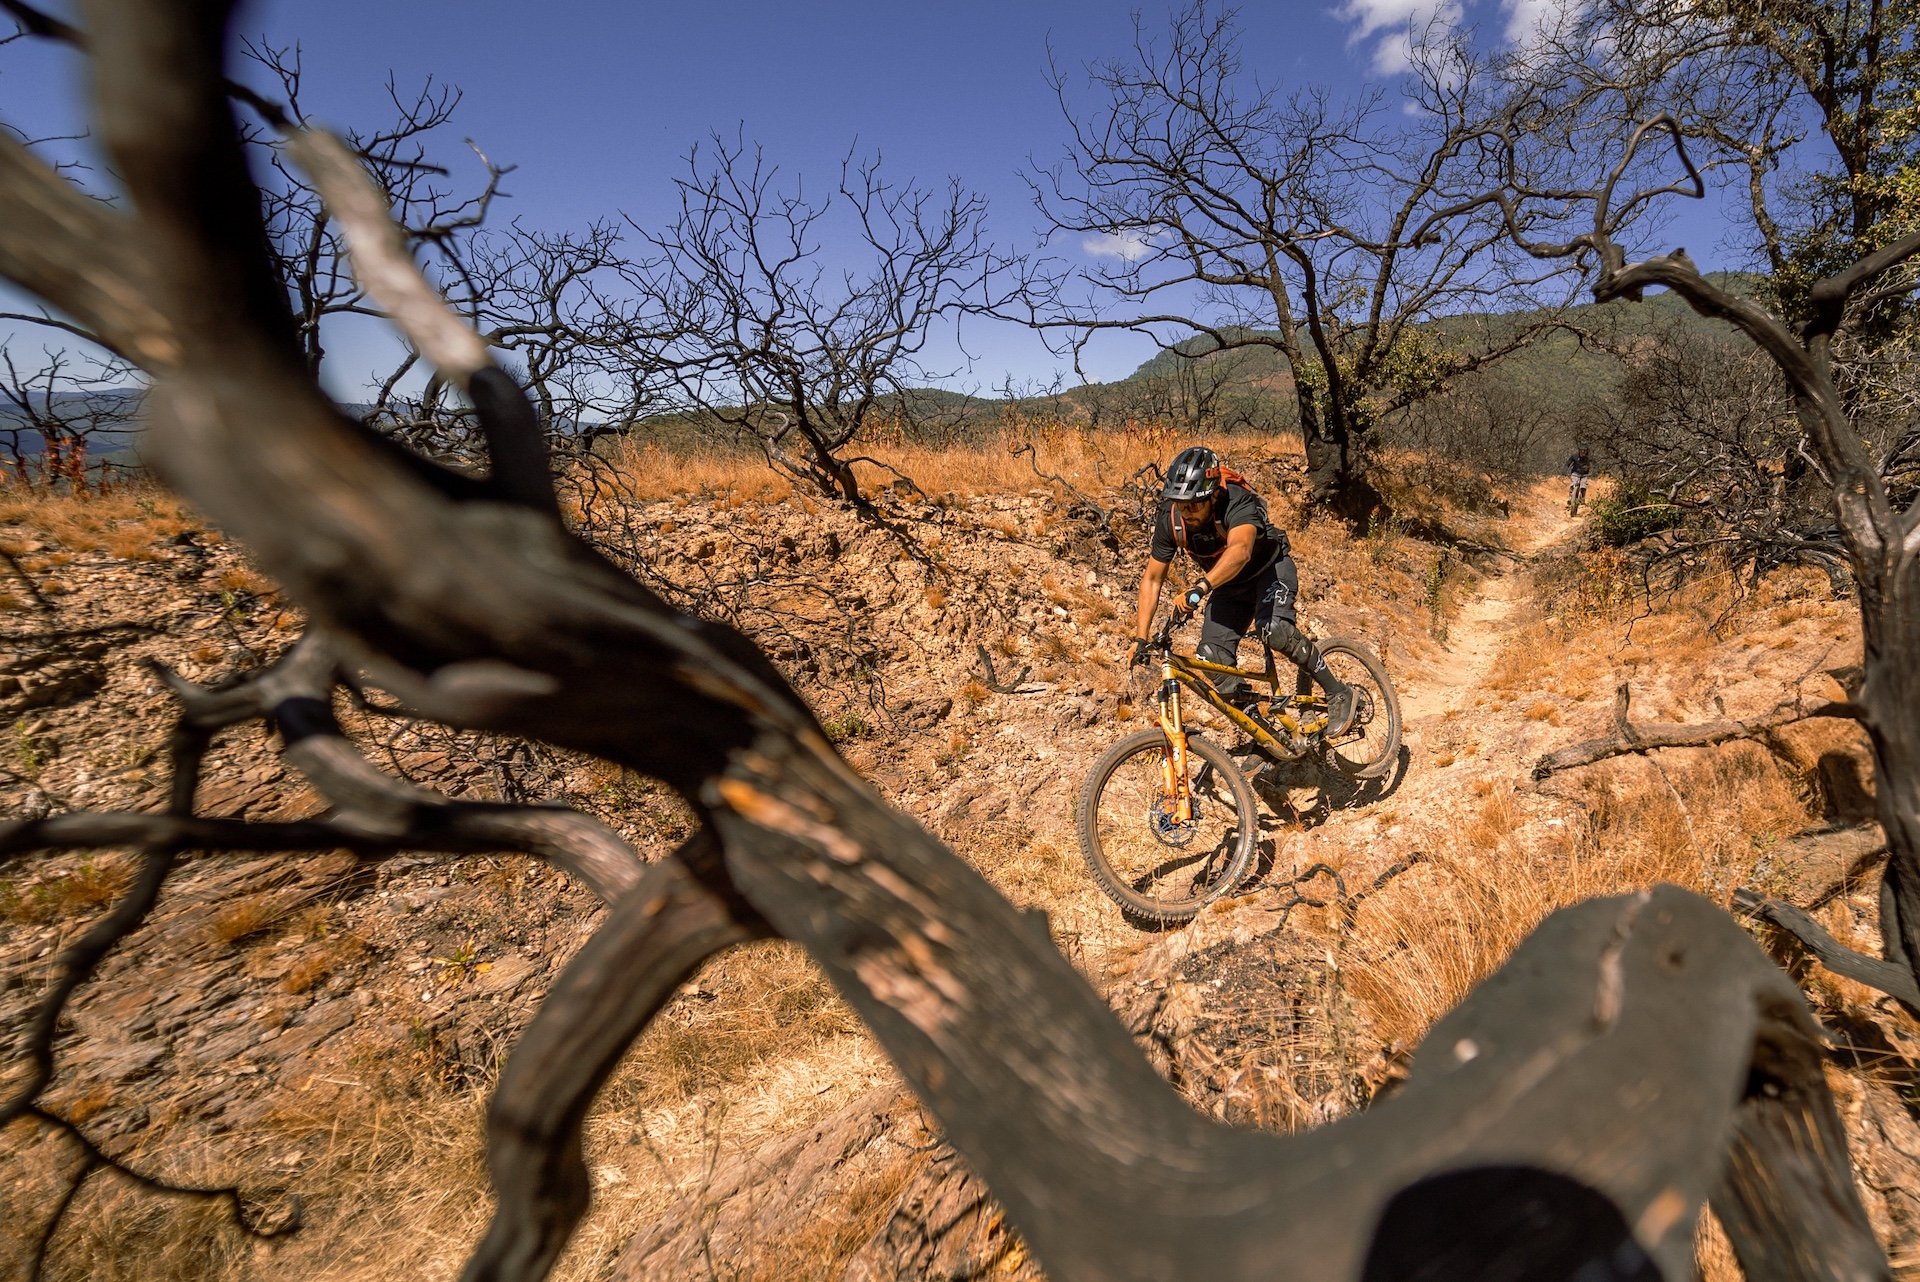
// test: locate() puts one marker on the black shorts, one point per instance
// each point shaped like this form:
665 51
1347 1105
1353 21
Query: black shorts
1269 598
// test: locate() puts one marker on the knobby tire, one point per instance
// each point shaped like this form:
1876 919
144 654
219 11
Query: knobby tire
1374 754
1155 881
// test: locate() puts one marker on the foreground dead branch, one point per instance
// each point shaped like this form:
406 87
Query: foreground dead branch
1637 1058
1629 737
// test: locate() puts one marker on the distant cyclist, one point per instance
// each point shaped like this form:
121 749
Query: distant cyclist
1579 468
1248 579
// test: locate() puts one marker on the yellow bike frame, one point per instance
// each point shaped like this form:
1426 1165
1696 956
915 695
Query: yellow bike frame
1295 715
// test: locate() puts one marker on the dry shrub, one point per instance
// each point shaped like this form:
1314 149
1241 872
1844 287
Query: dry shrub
244 918
133 543
89 884
1441 928
1409 477
322 962
239 578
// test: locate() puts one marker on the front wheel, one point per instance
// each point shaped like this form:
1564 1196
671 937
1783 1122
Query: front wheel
1369 749
1161 871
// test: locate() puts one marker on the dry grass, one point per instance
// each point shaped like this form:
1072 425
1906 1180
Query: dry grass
759 1044
1700 819
242 919
78 890
335 953
1088 461
1497 872
129 522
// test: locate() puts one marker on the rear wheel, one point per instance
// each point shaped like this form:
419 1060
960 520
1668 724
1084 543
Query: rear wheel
1161 871
1369 749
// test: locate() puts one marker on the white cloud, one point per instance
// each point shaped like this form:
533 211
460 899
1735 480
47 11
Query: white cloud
1530 20
1392 26
1128 246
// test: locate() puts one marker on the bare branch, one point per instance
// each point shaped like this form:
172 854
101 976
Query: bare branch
651 941
1629 737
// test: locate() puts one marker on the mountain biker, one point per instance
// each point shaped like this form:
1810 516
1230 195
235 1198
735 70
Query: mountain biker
1248 579
1579 468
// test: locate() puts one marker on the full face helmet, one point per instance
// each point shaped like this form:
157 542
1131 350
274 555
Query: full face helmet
1194 474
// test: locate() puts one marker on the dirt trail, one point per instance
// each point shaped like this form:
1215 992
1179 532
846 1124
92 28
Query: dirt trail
1476 637
1452 735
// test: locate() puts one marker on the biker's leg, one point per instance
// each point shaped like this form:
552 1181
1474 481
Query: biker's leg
1227 619
1279 625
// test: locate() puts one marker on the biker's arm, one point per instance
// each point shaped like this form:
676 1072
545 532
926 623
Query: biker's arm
1150 584
1238 552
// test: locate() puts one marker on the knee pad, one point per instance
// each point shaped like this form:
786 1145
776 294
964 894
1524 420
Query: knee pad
1286 639
1214 652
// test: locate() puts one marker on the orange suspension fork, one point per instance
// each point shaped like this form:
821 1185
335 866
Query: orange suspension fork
1173 766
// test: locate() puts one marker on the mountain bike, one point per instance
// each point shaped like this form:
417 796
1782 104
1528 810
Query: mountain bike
1168 822
1576 492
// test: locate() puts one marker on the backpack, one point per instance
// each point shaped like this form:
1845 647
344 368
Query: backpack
1268 529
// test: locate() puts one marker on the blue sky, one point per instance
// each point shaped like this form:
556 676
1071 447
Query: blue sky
596 104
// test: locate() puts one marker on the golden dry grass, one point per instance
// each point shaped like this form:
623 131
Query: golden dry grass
1495 874
1089 461
78 889
1698 819
127 522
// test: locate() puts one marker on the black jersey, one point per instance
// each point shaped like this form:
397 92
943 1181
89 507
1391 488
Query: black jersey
1236 505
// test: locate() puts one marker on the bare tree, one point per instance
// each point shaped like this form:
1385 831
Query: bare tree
1834 340
1639 1057
554 301
1322 232
60 414
767 335
304 237
1699 430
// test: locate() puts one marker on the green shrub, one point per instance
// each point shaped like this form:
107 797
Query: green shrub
1631 514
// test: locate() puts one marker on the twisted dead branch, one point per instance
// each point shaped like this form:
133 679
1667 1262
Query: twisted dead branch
1629 737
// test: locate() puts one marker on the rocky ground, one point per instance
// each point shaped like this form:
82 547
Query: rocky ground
325 1026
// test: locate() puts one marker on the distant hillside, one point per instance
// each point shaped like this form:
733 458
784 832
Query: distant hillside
108 418
1546 363
1240 385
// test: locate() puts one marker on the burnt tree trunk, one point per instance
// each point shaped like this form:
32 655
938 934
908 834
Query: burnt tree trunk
1890 693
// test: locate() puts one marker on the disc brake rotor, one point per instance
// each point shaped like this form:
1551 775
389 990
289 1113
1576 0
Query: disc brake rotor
1167 830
